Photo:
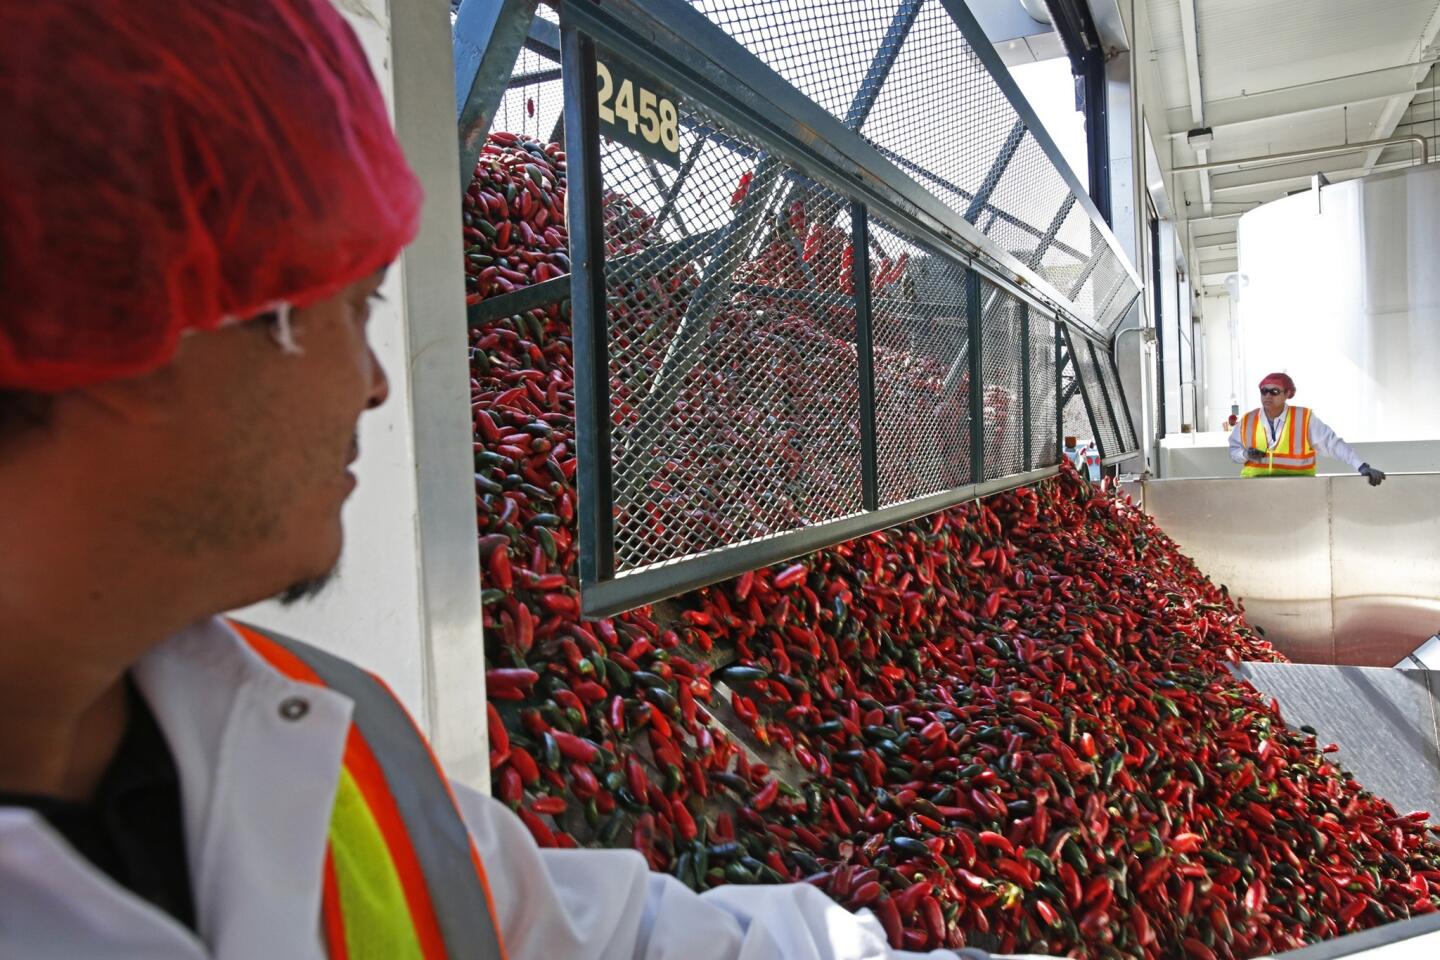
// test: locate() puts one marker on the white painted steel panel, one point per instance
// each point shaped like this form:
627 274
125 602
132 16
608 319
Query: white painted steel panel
407 602
1386 567
1196 455
1334 570
1272 552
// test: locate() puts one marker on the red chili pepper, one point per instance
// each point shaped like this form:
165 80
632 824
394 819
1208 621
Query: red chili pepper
766 796
790 576
548 806
684 822
576 748
509 788
499 738
508 679
584 781
1089 650
743 188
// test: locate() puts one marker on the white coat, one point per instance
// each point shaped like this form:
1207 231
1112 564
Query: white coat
257 789
1325 440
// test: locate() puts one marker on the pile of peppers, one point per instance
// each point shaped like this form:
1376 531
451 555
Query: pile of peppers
1008 725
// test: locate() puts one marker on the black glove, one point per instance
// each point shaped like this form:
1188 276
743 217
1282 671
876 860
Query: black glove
1376 477
1255 453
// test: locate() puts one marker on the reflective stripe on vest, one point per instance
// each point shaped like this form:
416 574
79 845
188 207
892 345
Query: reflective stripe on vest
402 878
1292 454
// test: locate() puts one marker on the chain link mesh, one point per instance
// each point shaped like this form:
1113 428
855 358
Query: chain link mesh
922 383
731 315
1033 195
933 58
533 101
1069 262
848 56
1124 435
1001 379
1096 393
1044 451
734 371
1075 412
1077 419
822 47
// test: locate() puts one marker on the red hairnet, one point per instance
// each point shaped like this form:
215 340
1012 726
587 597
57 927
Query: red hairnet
1281 380
172 166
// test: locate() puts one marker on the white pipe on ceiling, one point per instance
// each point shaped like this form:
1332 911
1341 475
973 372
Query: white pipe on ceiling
1340 148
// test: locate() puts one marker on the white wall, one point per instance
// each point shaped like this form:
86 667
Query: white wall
1222 379
407 602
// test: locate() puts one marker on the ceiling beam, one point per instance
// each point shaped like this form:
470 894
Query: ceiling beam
1395 109
1191 35
1284 102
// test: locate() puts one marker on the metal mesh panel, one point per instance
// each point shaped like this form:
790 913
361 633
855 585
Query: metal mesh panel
963 131
922 384
532 103
1044 451
1096 391
1030 191
1075 412
734 392
1126 436
1110 288
1064 262
856 59
1077 420
1002 382
822 47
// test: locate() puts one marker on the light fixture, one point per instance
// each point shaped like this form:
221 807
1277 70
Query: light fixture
1200 138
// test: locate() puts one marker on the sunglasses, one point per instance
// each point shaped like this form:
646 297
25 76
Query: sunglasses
1270 391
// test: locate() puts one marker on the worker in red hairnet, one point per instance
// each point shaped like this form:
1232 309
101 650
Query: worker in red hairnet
198 202
1278 440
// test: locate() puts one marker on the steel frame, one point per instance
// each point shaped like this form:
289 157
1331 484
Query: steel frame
1159 302
974 349
1052 234
994 211
588 316
1025 401
981 201
880 65
487 37
1105 395
1129 419
865 349
628 590
1076 26
699 61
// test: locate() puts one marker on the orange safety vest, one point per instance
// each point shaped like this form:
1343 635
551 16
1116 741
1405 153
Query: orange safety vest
402 876
1292 455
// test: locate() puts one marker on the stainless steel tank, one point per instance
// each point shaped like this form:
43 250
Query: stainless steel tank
1340 288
